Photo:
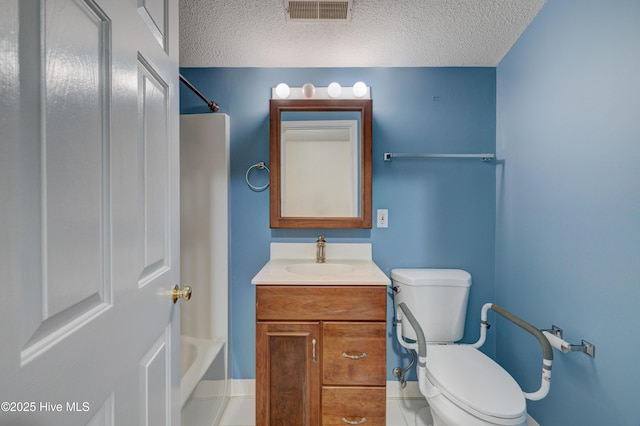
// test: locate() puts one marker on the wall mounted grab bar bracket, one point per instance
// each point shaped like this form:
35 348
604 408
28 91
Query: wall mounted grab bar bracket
555 330
586 347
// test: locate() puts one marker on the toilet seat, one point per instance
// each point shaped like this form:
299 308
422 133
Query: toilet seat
475 383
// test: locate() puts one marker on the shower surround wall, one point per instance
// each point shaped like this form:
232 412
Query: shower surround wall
568 205
441 211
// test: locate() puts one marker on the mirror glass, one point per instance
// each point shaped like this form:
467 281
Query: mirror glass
320 158
311 146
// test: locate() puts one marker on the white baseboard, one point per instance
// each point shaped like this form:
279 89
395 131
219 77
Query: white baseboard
247 388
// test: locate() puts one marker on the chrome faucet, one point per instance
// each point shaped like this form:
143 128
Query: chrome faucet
320 250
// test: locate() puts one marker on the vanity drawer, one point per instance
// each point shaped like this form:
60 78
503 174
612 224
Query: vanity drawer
354 353
355 404
336 303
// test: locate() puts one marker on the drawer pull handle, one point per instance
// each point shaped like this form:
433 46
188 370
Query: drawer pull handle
313 342
346 355
354 422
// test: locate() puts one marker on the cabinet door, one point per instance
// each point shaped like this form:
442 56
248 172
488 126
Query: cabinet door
287 373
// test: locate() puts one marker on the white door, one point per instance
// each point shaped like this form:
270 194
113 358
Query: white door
89 226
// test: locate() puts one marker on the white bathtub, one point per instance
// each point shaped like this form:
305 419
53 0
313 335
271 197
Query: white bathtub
196 355
188 353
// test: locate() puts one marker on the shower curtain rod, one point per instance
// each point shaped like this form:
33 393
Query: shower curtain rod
214 107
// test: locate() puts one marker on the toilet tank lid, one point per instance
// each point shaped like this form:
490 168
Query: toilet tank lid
418 277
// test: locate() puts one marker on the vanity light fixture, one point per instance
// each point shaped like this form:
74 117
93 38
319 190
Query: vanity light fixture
334 91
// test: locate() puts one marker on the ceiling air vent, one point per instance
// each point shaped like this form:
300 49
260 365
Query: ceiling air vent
317 11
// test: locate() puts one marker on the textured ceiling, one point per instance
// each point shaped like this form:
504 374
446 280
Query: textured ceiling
397 33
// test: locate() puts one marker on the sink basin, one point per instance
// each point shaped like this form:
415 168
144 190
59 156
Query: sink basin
294 264
320 268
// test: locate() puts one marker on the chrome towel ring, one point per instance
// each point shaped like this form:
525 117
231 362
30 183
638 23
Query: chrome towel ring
259 165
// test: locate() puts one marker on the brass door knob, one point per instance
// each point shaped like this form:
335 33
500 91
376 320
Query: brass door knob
176 293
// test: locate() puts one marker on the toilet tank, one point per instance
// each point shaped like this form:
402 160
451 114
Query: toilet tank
437 298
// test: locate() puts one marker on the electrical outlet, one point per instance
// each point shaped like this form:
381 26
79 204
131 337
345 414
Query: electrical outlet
383 218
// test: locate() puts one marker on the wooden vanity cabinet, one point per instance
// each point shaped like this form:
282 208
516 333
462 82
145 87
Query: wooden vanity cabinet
320 355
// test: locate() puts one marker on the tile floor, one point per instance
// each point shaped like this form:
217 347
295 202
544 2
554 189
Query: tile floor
240 411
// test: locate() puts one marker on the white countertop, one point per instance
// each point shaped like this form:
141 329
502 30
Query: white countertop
362 269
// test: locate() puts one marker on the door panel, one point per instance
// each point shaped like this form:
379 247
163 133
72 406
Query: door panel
75 157
155 383
89 219
70 188
153 143
153 13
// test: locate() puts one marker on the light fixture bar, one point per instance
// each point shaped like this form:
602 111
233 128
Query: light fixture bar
323 93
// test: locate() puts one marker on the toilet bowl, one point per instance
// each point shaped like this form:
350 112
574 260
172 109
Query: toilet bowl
462 385
466 387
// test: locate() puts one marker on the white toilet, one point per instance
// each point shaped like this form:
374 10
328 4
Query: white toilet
463 386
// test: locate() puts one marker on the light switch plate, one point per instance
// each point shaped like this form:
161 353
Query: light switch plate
383 218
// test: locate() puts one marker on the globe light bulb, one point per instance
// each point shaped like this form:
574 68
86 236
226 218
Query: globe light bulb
334 90
359 89
308 90
282 91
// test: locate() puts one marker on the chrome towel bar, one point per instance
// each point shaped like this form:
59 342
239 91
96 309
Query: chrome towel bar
484 156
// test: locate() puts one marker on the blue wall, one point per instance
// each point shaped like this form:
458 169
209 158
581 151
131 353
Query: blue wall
568 206
441 212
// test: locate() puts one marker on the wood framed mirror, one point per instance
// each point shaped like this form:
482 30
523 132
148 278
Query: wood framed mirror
320 156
